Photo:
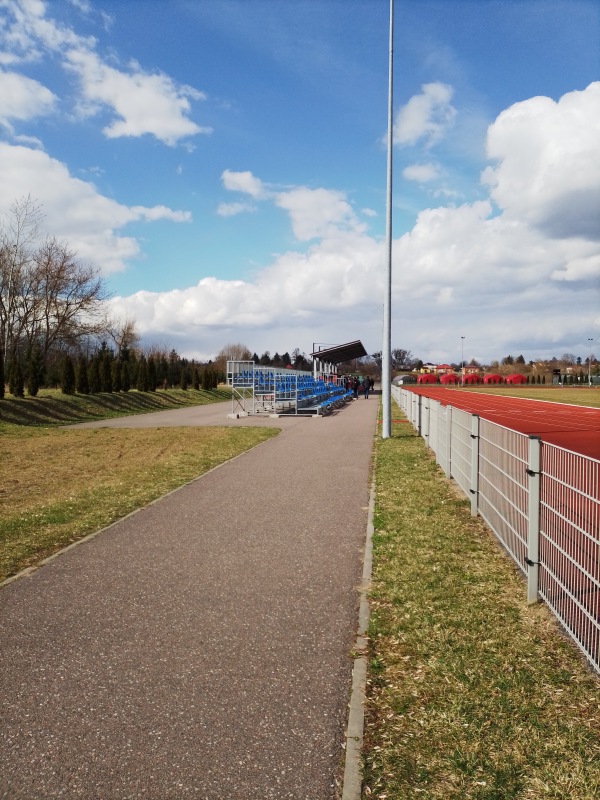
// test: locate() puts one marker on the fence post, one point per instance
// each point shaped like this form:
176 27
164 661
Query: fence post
448 466
419 407
533 517
426 410
474 464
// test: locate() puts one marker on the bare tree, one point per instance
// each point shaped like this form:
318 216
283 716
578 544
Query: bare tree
71 297
18 234
47 296
123 333
232 352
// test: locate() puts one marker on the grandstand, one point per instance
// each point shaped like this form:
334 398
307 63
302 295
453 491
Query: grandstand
274 391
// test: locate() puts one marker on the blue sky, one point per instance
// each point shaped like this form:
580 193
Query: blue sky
223 163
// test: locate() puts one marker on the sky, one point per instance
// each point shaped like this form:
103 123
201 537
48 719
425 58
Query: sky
223 164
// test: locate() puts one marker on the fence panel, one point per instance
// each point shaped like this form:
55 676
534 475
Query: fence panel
433 426
461 446
540 500
503 486
442 452
569 572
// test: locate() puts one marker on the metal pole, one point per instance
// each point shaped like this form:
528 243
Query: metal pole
533 517
590 363
462 360
386 350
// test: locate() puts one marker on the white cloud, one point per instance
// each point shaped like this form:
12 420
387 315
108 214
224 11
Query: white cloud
144 103
244 182
548 163
426 116
233 209
503 280
27 32
316 213
421 173
74 209
23 98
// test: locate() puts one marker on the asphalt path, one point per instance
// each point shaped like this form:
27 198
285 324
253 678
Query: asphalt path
200 647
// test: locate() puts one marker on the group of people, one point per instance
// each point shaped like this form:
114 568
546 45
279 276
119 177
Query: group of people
354 384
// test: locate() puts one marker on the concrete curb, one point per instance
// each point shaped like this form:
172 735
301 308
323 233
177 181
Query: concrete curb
352 782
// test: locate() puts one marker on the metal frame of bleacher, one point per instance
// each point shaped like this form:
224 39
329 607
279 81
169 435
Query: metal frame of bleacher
269 390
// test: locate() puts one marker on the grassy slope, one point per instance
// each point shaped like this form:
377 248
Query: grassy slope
471 693
57 485
54 408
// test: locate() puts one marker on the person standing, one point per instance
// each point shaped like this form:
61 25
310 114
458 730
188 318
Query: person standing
366 386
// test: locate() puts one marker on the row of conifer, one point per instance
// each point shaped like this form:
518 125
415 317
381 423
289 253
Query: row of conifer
104 372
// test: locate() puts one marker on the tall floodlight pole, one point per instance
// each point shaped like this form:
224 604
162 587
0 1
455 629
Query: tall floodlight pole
462 359
386 350
590 363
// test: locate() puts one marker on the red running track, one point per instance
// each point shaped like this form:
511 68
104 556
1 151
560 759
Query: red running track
575 428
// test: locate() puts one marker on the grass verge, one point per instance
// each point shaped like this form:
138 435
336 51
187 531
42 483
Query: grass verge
58 485
471 693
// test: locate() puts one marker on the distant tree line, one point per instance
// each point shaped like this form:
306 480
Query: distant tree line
106 370
239 352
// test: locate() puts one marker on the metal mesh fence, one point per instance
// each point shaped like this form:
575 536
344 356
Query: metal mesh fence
541 501
503 487
569 579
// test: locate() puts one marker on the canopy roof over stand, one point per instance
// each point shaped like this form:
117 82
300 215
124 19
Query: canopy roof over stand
340 353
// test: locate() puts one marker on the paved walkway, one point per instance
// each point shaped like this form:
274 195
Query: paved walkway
200 647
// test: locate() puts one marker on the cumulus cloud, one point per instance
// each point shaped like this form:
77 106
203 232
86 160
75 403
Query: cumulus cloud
27 32
23 98
143 103
244 182
74 209
421 173
548 163
426 116
494 270
316 213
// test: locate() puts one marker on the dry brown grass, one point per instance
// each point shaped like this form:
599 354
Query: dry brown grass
472 694
57 485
